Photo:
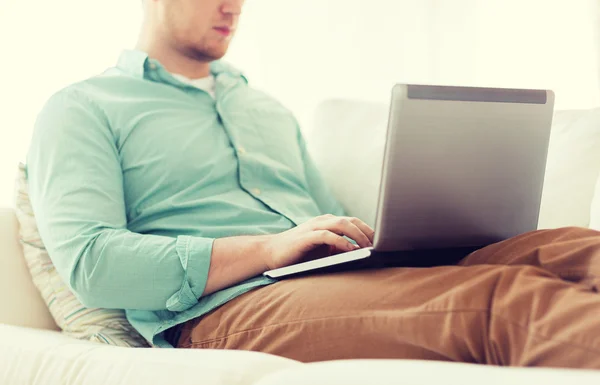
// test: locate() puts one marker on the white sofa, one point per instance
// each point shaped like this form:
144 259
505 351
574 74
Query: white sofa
32 351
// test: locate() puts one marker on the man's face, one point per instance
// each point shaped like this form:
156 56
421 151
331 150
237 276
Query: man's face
201 29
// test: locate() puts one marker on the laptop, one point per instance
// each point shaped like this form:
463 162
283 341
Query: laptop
463 168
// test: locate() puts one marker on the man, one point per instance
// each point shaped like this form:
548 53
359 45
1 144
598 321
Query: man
167 185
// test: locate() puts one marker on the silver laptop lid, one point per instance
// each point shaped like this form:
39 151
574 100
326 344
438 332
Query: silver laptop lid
462 166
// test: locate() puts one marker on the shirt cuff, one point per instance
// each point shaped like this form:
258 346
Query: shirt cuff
194 254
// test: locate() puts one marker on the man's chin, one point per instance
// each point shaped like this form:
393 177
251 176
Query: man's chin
209 54
218 55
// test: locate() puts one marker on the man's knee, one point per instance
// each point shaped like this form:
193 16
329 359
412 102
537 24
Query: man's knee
569 233
516 284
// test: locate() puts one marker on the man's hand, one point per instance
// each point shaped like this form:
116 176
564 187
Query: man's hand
292 246
235 259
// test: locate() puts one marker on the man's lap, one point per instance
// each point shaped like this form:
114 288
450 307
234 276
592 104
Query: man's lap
403 312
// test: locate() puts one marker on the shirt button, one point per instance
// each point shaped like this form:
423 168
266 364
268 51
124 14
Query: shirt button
256 191
242 150
152 66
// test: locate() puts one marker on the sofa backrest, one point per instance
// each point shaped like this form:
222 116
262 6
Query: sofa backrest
347 143
20 302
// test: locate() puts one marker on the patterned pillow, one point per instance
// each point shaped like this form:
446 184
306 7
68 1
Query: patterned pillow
98 325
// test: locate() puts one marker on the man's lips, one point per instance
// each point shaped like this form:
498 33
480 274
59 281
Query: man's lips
225 31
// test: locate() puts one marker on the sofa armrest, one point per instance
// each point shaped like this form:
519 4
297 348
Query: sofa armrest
21 302
31 356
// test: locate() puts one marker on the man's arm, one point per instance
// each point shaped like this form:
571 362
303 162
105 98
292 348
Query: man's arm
76 189
230 262
289 247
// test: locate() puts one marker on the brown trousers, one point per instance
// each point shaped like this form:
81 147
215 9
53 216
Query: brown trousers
529 301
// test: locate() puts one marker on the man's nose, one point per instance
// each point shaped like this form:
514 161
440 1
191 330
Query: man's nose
233 7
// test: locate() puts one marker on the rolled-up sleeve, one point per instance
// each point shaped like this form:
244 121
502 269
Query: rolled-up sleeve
193 253
76 189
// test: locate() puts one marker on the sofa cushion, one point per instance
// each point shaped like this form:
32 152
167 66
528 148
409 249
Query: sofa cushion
572 170
42 357
98 325
413 372
347 143
595 209
21 303
348 138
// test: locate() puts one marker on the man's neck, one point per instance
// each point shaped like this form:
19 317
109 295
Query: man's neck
173 60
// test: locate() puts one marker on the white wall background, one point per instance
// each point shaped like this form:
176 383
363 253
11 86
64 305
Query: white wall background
304 51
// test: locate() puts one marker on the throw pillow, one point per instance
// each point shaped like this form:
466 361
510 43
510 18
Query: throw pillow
105 326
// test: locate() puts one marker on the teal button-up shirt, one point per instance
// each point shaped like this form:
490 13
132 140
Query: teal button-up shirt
133 175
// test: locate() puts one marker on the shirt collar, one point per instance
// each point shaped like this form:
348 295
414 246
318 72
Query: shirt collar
137 63
133 62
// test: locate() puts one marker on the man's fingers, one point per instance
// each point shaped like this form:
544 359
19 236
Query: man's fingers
366 229
343 226
326 237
